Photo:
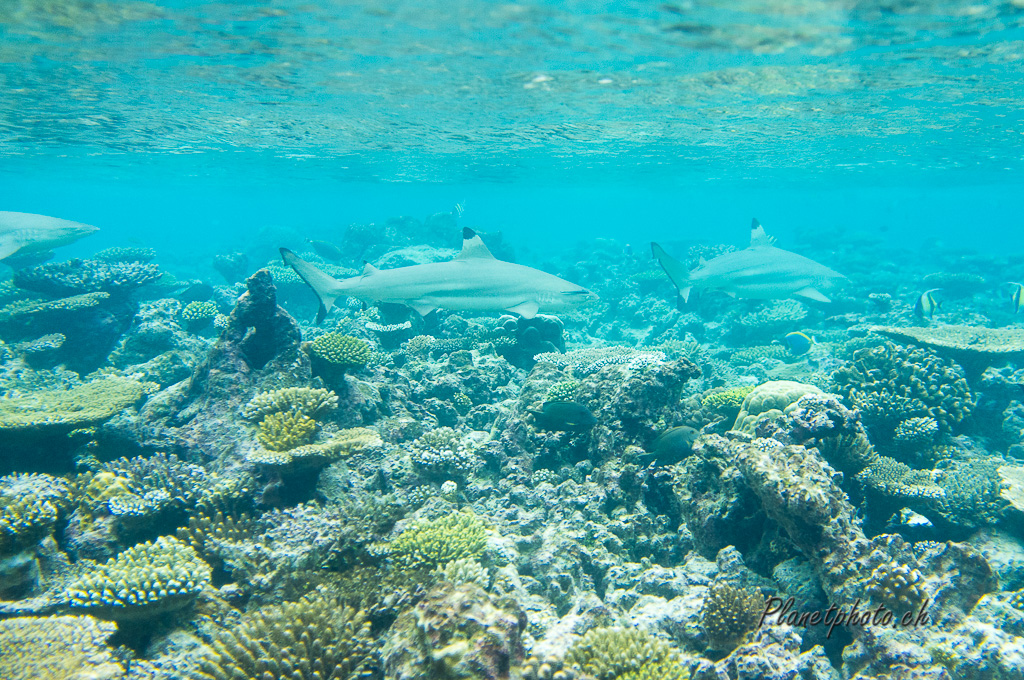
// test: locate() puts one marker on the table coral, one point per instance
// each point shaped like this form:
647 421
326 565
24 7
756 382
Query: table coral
90 402
86 276
343 443
306 400
144 581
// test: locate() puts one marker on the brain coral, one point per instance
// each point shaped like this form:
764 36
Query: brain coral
890 383
143 581
770 399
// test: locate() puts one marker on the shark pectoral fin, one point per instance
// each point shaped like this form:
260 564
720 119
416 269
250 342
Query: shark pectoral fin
325 287
473 247
685 294
527 309
812 293
423 308
8 247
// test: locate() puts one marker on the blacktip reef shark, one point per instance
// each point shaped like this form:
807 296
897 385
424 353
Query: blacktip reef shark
473 281
760 272
25 233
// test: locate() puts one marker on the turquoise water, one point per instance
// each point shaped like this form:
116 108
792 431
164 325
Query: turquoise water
439 483
553 119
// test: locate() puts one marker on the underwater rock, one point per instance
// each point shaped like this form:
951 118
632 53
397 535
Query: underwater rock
774 654
234 267
455 632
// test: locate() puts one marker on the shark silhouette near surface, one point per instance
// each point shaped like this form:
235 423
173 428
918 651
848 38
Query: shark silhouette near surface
760 272
473 281
25 233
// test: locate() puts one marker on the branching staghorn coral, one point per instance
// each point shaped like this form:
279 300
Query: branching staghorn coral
434 543
286 430
612 653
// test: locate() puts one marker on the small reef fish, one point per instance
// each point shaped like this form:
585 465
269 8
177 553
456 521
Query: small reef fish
326 249
759 272
25 233
564 416
473 281
926 304
1018 290
671 446
798 343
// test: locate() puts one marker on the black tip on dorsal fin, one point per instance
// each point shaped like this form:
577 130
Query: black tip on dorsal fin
467 233
754 224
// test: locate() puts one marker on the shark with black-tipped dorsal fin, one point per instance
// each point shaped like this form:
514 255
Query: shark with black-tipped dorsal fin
25 233
473 281
760 272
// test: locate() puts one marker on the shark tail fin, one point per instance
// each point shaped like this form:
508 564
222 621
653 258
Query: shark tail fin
325 287
676 270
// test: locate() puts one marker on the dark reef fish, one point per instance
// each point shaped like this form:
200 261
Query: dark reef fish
326 249
473 281
25 233
564 416
798 343
671 446
926 304
760 272
1016 295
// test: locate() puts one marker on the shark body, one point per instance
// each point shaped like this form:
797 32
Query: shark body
760 272
472 281
27 233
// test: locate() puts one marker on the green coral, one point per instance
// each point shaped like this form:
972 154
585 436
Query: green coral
768 400
462 403
563 390
125 254
730 612
316 637
29 506
461 571
916 432
343 351
91 402
433 543
25 309
615 653
658 670
286 430
57 648
143 581
343 443
726 401
197 315
890 383
308 401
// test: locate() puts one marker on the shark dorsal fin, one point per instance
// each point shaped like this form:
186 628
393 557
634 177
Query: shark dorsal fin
473 247
369 269
758 237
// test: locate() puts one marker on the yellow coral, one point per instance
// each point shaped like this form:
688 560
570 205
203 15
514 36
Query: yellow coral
307 400
57 648
90 402
341 350
286 430
726 400
730 613
434 543
341 444
143 581
614 653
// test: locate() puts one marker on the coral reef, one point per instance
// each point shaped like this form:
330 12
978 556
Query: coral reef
144 581
286 430
316 637
434 543
768 401
341 351
730 612
76 277
196 316
307 401
57 648
615 653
